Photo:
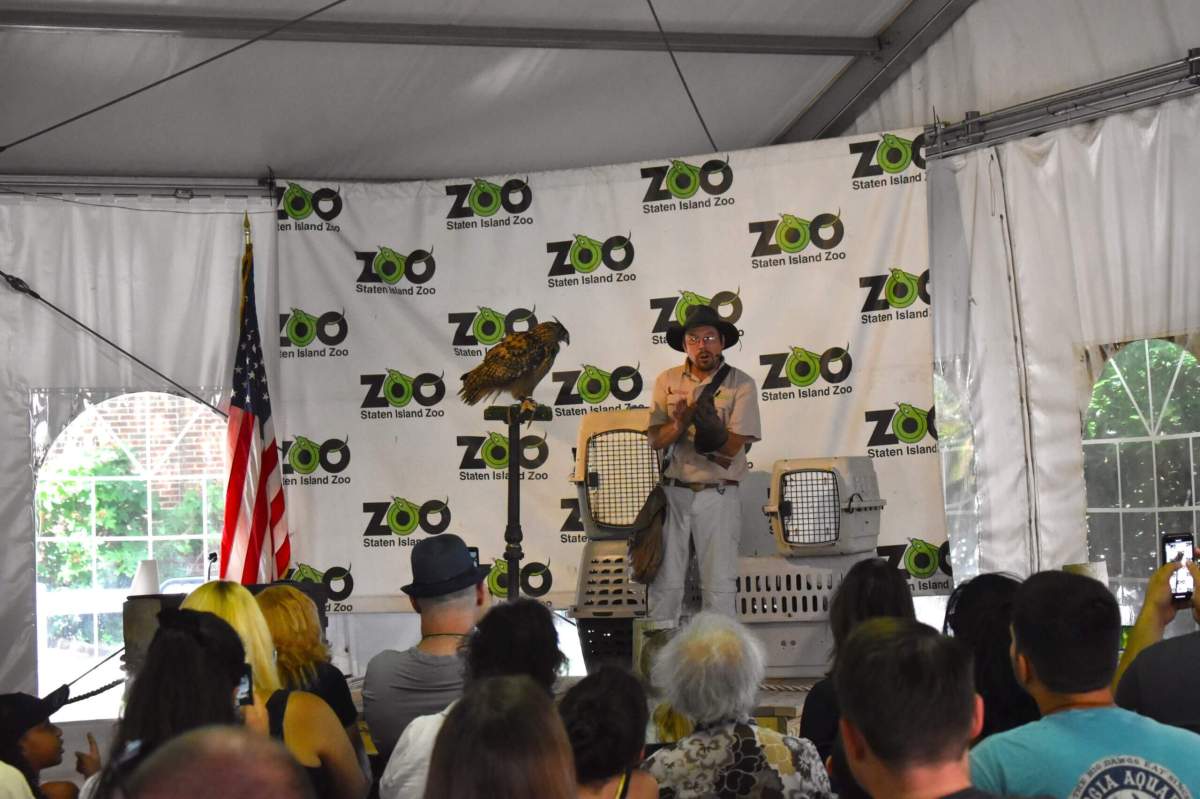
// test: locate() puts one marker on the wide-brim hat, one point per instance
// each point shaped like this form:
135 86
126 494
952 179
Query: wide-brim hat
700 316
20 712
442 565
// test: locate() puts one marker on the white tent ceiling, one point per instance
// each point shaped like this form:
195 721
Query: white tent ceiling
356 109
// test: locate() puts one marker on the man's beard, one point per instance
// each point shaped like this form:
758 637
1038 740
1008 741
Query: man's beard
706 361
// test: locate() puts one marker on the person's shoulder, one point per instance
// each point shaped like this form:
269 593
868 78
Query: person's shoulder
384 659
1178 654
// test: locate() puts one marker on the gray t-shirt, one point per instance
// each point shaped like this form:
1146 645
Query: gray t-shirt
399 686
1163 682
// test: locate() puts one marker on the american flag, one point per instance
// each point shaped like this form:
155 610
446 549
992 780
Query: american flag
254 542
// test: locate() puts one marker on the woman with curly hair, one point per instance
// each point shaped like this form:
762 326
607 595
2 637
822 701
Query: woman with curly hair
301 655
303 721
190 679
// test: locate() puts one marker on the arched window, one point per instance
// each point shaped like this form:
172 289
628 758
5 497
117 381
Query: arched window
1141 454
135 477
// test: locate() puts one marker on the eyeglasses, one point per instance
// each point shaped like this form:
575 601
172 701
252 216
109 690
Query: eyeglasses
709 339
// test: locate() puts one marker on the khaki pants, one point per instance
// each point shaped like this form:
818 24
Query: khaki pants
711 520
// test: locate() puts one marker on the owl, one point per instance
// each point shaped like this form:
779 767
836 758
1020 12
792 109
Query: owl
516 364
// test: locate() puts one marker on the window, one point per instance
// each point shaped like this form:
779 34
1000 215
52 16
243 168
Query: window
135 477
1141 454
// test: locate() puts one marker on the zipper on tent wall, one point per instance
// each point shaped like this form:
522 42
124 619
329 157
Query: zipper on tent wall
1033 503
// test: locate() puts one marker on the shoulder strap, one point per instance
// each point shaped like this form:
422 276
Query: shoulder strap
276 709
623 785
716 382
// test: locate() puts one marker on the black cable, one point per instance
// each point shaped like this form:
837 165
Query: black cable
172 76
21 287
99 690
682 79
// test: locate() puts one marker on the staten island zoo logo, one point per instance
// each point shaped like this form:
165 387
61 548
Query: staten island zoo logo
389 271
680 186
486 457
783 241
903 430
894 296
396 395
727 304
584 390
535 579
338 581
309 462
309 335
802 373
483 327
925 565
482 203
577 261
298 206
888 161
392 523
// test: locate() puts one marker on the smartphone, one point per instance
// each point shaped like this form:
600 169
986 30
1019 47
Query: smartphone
1179 547
245 689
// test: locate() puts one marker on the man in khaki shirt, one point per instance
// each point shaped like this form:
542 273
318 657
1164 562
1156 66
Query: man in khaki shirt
704 506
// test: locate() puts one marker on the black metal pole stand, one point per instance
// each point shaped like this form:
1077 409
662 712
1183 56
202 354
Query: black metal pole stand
515 415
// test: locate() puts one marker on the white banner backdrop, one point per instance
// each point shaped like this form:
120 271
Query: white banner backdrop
388 293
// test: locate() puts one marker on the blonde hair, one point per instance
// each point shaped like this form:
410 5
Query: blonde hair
233 603
296 629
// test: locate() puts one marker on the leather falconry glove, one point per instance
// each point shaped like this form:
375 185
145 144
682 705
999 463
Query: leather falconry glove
711 434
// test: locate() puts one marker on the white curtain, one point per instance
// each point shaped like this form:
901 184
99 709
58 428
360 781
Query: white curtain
159 277
1041 249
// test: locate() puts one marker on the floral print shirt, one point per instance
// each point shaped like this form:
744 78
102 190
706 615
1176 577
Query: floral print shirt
736 758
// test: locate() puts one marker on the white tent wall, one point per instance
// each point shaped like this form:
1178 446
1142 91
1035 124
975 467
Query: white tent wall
1003 52
162 284
1097 218
1002 514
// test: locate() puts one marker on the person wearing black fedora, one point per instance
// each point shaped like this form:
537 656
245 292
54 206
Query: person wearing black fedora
705 414
448 590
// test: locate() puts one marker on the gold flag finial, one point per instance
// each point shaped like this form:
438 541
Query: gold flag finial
246 224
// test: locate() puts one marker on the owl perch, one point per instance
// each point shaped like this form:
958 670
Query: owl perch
515 365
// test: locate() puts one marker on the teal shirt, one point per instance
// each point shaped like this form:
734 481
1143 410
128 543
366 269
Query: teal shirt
1096 753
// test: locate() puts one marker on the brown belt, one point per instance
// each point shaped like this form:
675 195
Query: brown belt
671 481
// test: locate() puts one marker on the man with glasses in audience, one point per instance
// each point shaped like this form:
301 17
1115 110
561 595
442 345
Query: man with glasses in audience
706 435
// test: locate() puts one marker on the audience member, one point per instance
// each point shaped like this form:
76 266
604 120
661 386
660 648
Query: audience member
13 784
30 742
1066 629
1157 678
302 656
909 710
306 725
871 588
710 671
189 679
448 592
515 638
224 762
502 740
979 614
605 716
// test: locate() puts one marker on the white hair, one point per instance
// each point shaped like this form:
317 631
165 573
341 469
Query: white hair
711 669
455 600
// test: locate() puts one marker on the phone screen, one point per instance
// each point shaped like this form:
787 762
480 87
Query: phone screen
1179 548
245 689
